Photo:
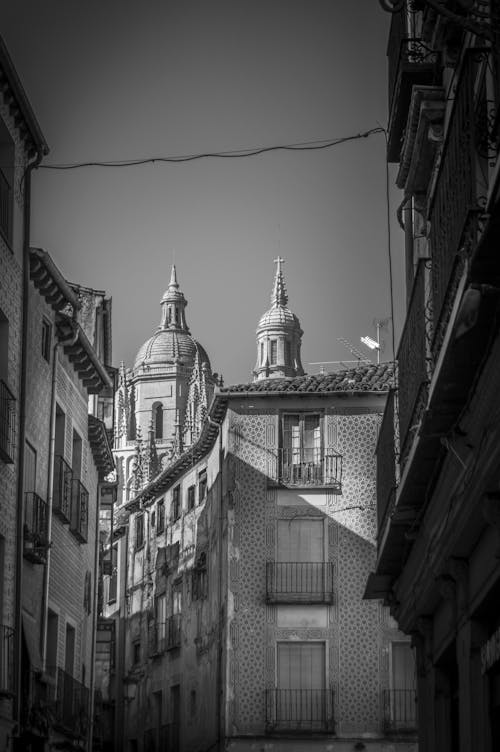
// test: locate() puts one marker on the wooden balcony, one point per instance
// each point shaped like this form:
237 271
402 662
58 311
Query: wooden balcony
7 423
300 710
299 582
35 538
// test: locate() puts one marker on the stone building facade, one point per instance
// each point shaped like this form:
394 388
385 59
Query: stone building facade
67 456
438 452
239 614
21 146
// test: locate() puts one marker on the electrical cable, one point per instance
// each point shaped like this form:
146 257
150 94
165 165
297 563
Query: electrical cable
229 154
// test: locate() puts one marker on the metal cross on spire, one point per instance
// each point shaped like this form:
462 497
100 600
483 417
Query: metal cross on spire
278 295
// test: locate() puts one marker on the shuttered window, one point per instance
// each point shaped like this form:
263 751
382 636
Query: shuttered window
300 540
301 665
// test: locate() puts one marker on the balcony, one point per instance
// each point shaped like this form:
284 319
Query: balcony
411 63
6 661
455 208
413 378
308 467
79 511
300 710
70 704
386 462
174 635
35 540
63 476
7 423
400 711
299 582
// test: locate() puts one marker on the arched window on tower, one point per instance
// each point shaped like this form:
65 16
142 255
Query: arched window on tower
158 420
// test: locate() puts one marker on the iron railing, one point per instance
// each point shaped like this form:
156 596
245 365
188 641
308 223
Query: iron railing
79 510
297 710
35 540
7 423
412 364
400 710
158 637
63 476
5 207
174 634
303 466
6 660
71 704
299 581
386 461
454 209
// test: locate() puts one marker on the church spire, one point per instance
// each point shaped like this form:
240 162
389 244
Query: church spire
173 304
278 295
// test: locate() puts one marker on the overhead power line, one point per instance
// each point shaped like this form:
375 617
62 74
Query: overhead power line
232 154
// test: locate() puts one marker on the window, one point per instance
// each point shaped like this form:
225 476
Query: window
113 580
177 597
46 339
400 699
301 697
176 503
69 649
158 420
191 498
199 580
274 352
136 652
262 353
139 530
161 622
202 486
301 449
288 353
160 516
52 641
301 540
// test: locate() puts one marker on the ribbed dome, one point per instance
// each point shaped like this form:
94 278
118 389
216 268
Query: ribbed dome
278 316
167 346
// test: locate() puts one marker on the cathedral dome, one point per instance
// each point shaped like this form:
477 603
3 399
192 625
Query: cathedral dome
172 341
278 316
167 346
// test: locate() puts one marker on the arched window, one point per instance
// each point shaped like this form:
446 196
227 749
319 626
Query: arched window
158 420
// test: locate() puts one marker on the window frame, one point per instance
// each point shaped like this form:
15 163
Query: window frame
202 486
160 516
176 510
191 497
46 339
139 538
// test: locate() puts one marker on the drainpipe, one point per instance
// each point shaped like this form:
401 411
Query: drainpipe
22 436
50 497
121 652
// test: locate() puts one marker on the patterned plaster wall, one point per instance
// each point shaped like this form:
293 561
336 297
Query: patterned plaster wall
356 632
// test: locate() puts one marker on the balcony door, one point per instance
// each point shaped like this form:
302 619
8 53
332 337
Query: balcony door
301 691
403 681
300 568
301 461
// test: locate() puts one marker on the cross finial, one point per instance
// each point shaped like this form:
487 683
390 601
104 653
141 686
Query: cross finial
278 295
279 261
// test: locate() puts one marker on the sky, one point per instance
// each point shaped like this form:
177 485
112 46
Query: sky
115 80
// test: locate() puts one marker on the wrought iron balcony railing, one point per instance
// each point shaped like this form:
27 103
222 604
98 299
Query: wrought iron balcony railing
303 466
63 476
5 207
413 377
158 638
299 581
400 710
6 660
70 704
174 632
386 461
79 510
296 710
7 423
454 209
410 62
35 540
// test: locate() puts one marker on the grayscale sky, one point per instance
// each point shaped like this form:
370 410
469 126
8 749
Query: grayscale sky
117 80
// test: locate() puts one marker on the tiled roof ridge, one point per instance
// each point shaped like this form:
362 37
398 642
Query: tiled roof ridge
364 378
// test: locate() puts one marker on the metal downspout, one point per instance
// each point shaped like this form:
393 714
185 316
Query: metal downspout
94 623
22 437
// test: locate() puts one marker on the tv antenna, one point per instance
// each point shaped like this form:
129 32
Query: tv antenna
376 344
354 350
